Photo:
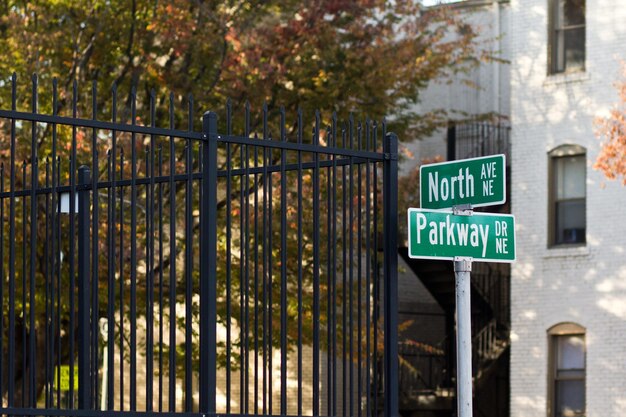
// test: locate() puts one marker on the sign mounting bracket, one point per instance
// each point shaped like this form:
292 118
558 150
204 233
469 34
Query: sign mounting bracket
463 210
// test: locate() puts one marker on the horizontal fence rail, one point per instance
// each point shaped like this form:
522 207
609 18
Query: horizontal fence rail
184 271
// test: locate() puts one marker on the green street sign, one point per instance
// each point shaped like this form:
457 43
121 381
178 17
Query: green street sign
476 181
435 234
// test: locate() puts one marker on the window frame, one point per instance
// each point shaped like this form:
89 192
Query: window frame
554 28
554 333
562 151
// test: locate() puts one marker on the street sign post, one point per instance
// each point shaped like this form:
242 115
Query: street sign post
435 234
477 181
462 236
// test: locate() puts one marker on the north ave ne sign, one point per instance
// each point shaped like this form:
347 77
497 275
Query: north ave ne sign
435 234
476 181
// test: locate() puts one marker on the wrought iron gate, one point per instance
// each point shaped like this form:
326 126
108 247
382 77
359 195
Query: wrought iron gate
188 271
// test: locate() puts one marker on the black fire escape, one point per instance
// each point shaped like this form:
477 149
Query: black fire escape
427 379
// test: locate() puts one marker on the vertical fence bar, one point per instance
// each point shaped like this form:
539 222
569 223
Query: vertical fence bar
150 261
72 254
208 264
316 267
228 255
112 263
161 289
11 355
242 286
245 210
333 409
390 216
300 271
368 276
283 267
57 255
110 338
351 270
2 281
376 386
265 320
121 282
54 249
34 172
329 275
133 256
95 331
84 367
172 266
24 293
270 280
49 300
188 260
256 279
344 286
359 275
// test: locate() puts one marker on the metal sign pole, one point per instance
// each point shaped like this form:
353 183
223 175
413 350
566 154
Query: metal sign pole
433 234
462 270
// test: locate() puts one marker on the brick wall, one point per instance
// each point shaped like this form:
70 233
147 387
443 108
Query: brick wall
586 285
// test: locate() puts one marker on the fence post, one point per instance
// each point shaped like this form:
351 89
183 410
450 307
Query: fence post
390 272
208 264
84 272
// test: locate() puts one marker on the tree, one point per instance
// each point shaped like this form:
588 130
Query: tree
612 158
370 57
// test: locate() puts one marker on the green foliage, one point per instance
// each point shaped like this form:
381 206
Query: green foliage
370 57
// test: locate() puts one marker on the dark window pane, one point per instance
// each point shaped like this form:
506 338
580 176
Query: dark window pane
570 221
570 398
574 48
573 12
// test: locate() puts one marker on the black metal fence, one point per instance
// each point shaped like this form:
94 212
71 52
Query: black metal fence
181 270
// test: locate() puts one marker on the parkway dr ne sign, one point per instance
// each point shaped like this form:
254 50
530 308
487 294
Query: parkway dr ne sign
435 234
476 181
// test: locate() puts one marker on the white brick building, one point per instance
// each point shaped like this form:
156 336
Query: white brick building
568 292
568 286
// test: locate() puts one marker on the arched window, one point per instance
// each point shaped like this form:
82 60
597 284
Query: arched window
566 370
567 195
